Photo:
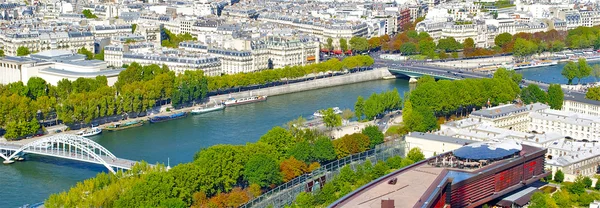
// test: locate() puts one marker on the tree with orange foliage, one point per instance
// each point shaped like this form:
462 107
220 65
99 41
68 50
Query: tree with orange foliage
292 168
313 166
351 144
237 197
254 190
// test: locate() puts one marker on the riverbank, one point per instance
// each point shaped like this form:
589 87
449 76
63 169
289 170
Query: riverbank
375 74
364 76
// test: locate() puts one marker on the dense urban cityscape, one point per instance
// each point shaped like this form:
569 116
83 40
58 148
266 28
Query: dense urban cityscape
270 103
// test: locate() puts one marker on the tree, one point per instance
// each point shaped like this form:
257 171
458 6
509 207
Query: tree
223 165
593 93
469 43
532 94
374 42
304 199
279 138
323 150
347 114
133 27
302 151
415 154
292 168
562 198
524 48
577 187
343 45
88 54
88 14
559 176
359 44
1 53
100 56
330 118
454 55
503 39
359 107
375 136
448 44
583 69
351 144
36 87
329 43
541 200
262 170
555 96
570 71
23 51
427 47
443 55
587 181
408 48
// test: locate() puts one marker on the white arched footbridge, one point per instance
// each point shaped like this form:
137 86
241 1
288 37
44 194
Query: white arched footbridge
68 146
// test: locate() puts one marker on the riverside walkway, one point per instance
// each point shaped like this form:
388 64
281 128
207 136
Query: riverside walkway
70 147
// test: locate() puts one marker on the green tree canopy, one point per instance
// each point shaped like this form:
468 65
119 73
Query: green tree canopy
88 54
279 138
555 96
570 71
343 44
593 93
469 43
532 94
330 118
88 14
323 150
23 51
415 154
503 39
559 176
583 69
375 136
448 45
262 170
408 48
359 44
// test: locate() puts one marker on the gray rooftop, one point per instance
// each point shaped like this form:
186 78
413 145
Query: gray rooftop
500 111
107 73
440 138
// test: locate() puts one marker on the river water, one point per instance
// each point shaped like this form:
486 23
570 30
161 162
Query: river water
35 179
552 74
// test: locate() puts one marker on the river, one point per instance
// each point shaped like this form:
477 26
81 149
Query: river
35 179
552 74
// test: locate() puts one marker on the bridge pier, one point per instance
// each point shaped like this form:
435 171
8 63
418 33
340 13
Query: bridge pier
412 80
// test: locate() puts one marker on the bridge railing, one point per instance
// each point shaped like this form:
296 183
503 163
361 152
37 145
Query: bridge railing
286 193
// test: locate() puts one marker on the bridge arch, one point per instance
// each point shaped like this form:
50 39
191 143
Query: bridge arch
78 149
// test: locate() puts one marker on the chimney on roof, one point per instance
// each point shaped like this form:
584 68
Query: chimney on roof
387 203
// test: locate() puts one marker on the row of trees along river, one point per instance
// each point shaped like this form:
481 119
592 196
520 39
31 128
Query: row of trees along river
225 175
138 89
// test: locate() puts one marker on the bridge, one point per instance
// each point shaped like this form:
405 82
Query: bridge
70 147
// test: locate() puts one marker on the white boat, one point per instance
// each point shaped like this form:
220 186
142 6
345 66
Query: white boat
90 132
253 99
533 64
318 114
208 109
